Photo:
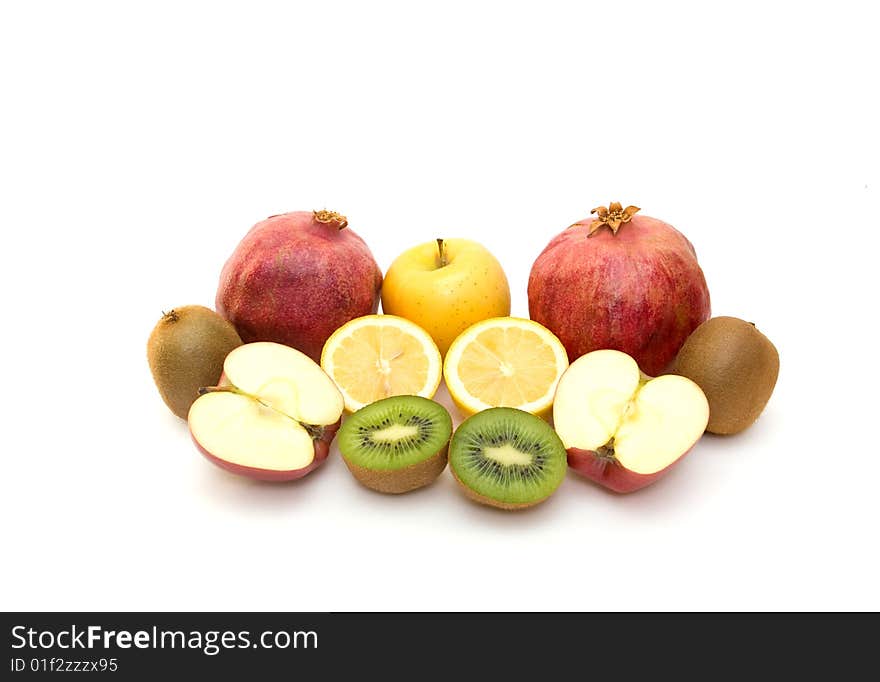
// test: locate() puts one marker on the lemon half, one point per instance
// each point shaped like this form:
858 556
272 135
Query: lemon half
505 362
379 356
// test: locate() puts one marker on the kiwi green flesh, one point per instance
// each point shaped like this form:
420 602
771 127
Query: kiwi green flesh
185 351
498 504
507 458
736 366
393 434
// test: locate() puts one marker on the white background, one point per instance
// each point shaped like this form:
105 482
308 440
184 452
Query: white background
140 141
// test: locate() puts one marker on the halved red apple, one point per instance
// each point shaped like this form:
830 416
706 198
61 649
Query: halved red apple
272 417
622 428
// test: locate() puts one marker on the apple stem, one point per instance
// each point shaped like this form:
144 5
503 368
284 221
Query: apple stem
442 262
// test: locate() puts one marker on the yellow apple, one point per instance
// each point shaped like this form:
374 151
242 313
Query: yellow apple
445 286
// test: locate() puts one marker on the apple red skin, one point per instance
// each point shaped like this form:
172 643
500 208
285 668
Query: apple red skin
294 280
610 473
640 291
322 449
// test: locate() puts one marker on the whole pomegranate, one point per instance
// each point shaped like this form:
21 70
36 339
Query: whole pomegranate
621 281
297 277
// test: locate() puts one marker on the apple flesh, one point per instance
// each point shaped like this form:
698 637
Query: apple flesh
632 284
272 417
296 278
621 428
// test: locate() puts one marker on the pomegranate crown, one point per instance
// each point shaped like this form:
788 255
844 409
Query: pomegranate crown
331 217
613 217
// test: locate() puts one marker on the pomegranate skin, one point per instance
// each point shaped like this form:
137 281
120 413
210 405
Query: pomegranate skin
640 291
295 279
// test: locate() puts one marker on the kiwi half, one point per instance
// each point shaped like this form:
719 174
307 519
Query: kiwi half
735 365
507 458
186 350
397 444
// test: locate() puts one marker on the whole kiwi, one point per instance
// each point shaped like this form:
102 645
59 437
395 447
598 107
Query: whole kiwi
186 351
735 365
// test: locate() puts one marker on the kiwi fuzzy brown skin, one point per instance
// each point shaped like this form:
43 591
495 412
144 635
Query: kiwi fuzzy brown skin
185 351
736 366
404 480
488 501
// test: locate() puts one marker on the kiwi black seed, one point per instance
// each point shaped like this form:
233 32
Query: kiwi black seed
397 444
186 351
507 458
735 365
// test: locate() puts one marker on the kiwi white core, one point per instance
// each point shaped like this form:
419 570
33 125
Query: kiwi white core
507 455
395 432
603 401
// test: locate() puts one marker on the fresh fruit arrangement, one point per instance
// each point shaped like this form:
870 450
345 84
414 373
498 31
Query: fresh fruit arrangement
617 375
